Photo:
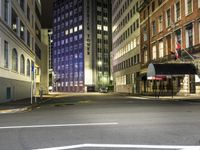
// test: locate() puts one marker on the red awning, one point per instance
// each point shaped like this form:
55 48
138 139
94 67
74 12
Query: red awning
158 77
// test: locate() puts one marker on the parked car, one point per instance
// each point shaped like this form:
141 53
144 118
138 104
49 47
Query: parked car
103 90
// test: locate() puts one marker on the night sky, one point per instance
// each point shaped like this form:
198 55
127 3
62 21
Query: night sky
47 13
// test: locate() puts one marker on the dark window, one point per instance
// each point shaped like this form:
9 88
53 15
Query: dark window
5 54
14 60
153 6
22 4
6 4
8 93
32 70
37 51
28 13
28 66
160 2
37 31
22 64
154 28
28 38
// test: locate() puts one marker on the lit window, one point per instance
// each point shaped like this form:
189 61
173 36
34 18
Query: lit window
199 3
129 47
145 56
161 50
131 44
66 32
99 27
105 28
134 43
154 52
80 27
22 28
14 21
71 30
75 29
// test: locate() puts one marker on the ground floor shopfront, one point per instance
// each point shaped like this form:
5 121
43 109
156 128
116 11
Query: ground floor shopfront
178 80
174 85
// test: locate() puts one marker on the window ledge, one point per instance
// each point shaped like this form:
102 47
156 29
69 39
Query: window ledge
188 14
177 21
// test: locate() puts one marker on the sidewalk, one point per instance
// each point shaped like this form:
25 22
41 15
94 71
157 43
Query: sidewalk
24 104
19 105
191 98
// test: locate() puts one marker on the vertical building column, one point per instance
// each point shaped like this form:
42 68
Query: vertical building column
186 87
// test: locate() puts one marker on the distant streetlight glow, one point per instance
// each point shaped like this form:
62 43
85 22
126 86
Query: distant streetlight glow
99 63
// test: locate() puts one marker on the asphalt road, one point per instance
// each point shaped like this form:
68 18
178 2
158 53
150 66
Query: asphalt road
94 122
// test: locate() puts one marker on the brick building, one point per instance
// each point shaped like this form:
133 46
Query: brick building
164 24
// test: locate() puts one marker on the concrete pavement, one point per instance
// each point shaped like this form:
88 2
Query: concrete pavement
107 119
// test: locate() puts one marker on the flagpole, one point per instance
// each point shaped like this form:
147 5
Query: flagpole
189 54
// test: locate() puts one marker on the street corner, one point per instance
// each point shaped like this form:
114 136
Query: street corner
15 110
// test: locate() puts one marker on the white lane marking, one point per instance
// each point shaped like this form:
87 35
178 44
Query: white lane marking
134 97
61 125
123 146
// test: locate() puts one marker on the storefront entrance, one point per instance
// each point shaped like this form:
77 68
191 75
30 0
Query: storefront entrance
169 79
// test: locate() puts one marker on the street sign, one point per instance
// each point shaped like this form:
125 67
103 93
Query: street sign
32 68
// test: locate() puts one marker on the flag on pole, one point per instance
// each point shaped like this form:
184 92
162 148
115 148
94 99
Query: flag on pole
178 50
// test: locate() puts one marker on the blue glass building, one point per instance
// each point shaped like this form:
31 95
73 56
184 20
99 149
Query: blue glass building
82 44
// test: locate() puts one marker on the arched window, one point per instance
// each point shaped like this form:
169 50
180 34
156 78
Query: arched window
14 60
22 64
28 67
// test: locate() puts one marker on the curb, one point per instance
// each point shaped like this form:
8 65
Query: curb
18 110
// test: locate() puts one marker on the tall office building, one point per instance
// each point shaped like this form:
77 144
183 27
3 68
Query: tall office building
82 44
126 45
22 54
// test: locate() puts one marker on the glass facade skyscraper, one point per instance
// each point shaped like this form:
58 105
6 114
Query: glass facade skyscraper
82 43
